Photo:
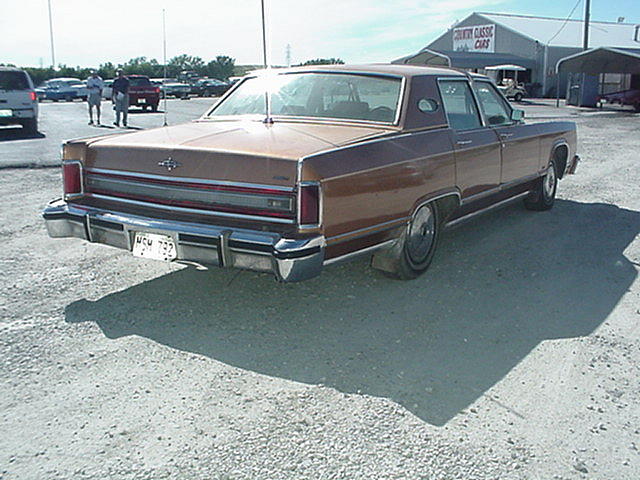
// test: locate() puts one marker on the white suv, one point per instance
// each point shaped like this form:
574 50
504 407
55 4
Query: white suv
18 101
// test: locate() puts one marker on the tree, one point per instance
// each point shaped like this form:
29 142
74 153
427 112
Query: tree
221 68
185 62
323 61
107 70
142 66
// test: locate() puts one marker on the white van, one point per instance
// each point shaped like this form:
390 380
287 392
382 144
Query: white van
18 101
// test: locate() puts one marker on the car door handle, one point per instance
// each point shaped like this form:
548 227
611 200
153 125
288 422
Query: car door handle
464 142
506 135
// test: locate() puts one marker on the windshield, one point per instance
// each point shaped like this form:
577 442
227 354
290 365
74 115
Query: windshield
321 95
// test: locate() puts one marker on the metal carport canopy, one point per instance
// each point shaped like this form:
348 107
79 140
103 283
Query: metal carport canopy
602 60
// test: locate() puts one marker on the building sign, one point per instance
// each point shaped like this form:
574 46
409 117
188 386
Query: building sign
476 38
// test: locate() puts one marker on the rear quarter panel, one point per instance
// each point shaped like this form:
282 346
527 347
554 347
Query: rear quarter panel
553 134
370 190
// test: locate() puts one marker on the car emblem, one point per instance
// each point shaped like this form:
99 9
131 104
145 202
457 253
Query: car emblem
169 164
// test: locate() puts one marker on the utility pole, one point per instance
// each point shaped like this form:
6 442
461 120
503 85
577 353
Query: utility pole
53 55
587 13
288 55
164 61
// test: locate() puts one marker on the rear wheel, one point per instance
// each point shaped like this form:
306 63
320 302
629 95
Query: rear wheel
30 125
517 97
413 253
154 108
543 195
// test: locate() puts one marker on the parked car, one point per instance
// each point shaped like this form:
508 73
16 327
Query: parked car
107 89
210 87
510 89
367 160
18 100
625 97
66 88
176 89
142 93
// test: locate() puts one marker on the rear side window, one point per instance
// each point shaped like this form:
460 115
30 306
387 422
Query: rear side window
459 105
13 81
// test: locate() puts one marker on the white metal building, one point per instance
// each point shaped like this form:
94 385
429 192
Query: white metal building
536 43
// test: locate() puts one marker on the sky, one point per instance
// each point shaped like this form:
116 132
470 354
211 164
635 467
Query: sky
88 33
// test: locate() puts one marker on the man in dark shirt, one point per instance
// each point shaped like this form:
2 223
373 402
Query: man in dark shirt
120 97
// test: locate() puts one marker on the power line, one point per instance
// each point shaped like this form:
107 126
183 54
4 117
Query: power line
564 24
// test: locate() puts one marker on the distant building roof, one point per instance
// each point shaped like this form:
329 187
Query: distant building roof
551 30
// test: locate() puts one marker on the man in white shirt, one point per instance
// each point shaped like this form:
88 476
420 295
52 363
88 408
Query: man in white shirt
95 86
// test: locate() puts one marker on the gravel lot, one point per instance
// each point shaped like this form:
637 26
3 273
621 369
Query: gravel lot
515 357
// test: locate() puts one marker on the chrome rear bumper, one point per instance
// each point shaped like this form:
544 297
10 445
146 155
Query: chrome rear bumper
291 260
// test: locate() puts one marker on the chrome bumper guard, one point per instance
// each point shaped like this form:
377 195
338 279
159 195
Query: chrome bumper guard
291 260
573 165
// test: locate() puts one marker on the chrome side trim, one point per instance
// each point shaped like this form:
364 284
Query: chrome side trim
437 197
357 253
191 210
471 215
189 179
504 186
363 232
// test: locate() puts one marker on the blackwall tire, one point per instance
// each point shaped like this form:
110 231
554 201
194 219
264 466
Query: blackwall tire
543 196
418 243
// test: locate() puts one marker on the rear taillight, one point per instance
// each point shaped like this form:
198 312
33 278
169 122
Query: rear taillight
156 90
33 96
72 179
309 204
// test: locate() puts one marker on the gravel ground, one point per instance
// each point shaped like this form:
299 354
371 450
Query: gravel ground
515 357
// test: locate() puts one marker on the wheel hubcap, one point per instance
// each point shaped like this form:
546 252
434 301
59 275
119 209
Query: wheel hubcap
421 234
549 182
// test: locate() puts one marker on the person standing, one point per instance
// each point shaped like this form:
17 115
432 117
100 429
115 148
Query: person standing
94 97
120 98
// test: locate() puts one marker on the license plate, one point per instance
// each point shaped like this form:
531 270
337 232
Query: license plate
6 113
154 246
142 100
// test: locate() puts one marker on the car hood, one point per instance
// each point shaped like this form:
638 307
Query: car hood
282 140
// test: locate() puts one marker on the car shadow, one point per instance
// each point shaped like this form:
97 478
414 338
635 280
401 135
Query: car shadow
499 286
18 133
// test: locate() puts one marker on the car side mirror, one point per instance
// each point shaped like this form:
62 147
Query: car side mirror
517 115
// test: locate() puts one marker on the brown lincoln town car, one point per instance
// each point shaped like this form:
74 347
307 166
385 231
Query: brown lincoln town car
295 169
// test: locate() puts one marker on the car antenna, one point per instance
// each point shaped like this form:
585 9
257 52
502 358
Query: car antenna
164 75
267 94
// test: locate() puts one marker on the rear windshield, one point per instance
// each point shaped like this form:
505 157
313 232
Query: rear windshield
317 95
139 82
13 81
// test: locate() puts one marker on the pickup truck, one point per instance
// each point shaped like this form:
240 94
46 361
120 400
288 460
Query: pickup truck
142 93
625 97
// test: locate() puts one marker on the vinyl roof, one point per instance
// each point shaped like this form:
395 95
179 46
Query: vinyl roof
545 30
